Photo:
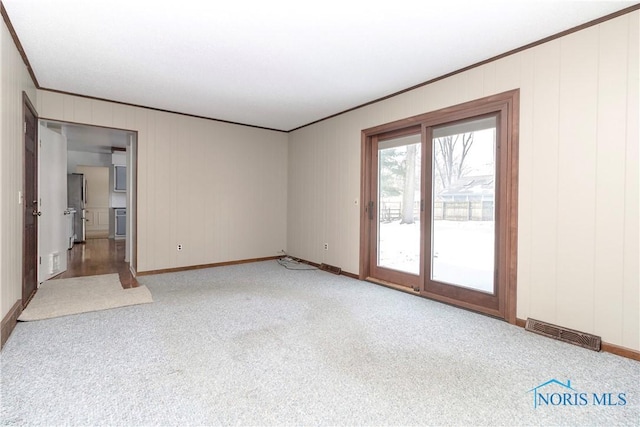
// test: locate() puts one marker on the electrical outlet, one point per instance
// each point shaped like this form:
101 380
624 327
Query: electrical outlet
179 247
326 246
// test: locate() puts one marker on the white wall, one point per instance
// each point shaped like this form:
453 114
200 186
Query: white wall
98 185
578 194
218 189
14 79
83 158
131 164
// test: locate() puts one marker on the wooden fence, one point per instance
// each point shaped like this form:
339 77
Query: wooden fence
451 211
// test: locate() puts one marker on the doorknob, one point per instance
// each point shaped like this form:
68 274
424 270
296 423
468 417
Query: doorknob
36 213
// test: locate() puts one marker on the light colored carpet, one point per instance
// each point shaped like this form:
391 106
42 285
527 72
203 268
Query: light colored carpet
62 297
257 344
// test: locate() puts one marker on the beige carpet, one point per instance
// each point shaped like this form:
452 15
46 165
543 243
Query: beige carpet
63 297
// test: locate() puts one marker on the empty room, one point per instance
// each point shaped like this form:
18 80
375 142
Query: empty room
320 213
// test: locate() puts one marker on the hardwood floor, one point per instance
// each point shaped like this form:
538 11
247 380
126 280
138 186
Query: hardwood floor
99 256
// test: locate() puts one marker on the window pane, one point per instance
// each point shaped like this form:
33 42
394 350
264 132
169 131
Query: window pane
399 204
463 214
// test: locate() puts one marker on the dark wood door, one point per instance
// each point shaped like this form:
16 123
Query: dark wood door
30 204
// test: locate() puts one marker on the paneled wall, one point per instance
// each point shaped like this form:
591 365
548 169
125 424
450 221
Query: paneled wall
217 189
578 194
14 79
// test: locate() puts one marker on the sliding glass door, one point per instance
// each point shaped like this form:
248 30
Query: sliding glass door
462 228
397 256
440 209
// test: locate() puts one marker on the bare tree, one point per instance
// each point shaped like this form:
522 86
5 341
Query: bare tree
391 171
408 195
451 153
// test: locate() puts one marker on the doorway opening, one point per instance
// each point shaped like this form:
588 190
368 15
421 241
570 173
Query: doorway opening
88 201
441 212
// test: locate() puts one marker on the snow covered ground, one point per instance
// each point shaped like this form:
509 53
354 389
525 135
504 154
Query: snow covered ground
463 251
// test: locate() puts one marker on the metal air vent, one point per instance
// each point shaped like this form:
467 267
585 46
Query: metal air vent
592 342
330 268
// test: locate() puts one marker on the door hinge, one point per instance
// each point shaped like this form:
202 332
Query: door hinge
370 207
422 205
25 127
40 260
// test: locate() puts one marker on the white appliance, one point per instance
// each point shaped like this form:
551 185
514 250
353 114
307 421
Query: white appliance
71 233
77 199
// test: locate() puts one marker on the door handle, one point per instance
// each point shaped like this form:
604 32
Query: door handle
36 213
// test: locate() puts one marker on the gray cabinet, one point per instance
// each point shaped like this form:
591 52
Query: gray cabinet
120 178
121 222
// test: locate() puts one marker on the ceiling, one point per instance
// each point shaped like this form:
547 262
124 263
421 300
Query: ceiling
275 64
91 139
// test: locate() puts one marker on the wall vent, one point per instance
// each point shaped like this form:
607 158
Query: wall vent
592 342
330 268
54 262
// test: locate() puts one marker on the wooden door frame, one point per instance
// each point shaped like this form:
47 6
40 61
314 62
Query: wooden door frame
133 264
411 281
508 105
27 105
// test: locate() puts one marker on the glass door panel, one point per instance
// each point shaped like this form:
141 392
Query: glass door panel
441 204
398 193
463 204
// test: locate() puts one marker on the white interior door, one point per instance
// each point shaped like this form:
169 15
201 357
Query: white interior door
53 227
